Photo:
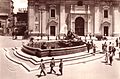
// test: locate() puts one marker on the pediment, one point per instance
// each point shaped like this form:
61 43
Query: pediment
52 23
106 23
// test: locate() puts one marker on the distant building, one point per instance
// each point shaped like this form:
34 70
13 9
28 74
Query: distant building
54 17
21 20
6 11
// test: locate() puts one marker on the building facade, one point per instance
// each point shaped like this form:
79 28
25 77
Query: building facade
82 17
21 21
6 12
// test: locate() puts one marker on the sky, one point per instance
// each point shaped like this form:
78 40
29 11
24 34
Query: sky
19 4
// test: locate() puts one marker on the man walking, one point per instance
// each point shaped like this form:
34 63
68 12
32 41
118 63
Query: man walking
61 67
52 65
42 66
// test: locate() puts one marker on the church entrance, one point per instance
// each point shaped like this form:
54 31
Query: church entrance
52 30
79 26
106 30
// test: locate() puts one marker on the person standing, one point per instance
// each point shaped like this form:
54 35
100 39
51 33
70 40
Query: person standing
117 42
106 54
42 66
111 58
104 47
88 46
90 35
91 43
61 67
110 47
52 65
113 50
94 49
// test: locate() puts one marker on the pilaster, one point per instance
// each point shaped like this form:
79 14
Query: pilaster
97 18
116 20
31 17
63 26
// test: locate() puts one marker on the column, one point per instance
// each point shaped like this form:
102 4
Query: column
96 21
116 20
63 26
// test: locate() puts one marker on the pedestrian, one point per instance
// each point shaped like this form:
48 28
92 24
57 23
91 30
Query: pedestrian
90 35
105 44
113 50
104 47
88 46
106 54
91 43
94 49
117 42
52 65
61 67
42 66
110 47
111 58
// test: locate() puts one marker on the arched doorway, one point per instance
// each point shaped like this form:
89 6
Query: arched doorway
79 26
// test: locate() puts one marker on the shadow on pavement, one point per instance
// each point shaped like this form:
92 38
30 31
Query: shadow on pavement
118 59
39 76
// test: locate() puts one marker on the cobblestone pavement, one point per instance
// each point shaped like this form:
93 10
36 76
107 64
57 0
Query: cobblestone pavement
84 67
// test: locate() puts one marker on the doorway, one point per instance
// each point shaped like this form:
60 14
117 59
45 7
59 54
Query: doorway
79 26
52 30
106 30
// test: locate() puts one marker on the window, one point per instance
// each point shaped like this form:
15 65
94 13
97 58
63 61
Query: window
0 24
105 13
52 12
80 3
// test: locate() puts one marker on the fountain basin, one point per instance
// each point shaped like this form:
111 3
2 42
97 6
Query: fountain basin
57 51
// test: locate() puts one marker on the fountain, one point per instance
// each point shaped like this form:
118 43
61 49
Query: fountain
69 45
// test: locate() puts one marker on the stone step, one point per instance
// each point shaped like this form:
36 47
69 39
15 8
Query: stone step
26 64
31 63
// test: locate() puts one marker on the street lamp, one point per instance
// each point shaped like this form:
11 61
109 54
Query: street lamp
41 12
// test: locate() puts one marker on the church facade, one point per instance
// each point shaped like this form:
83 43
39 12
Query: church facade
54 17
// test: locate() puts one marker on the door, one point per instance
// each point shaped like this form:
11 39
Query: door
106 30
79 26
52 30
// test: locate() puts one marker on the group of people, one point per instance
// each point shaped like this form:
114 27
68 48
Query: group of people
91 45
109 52
52 65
